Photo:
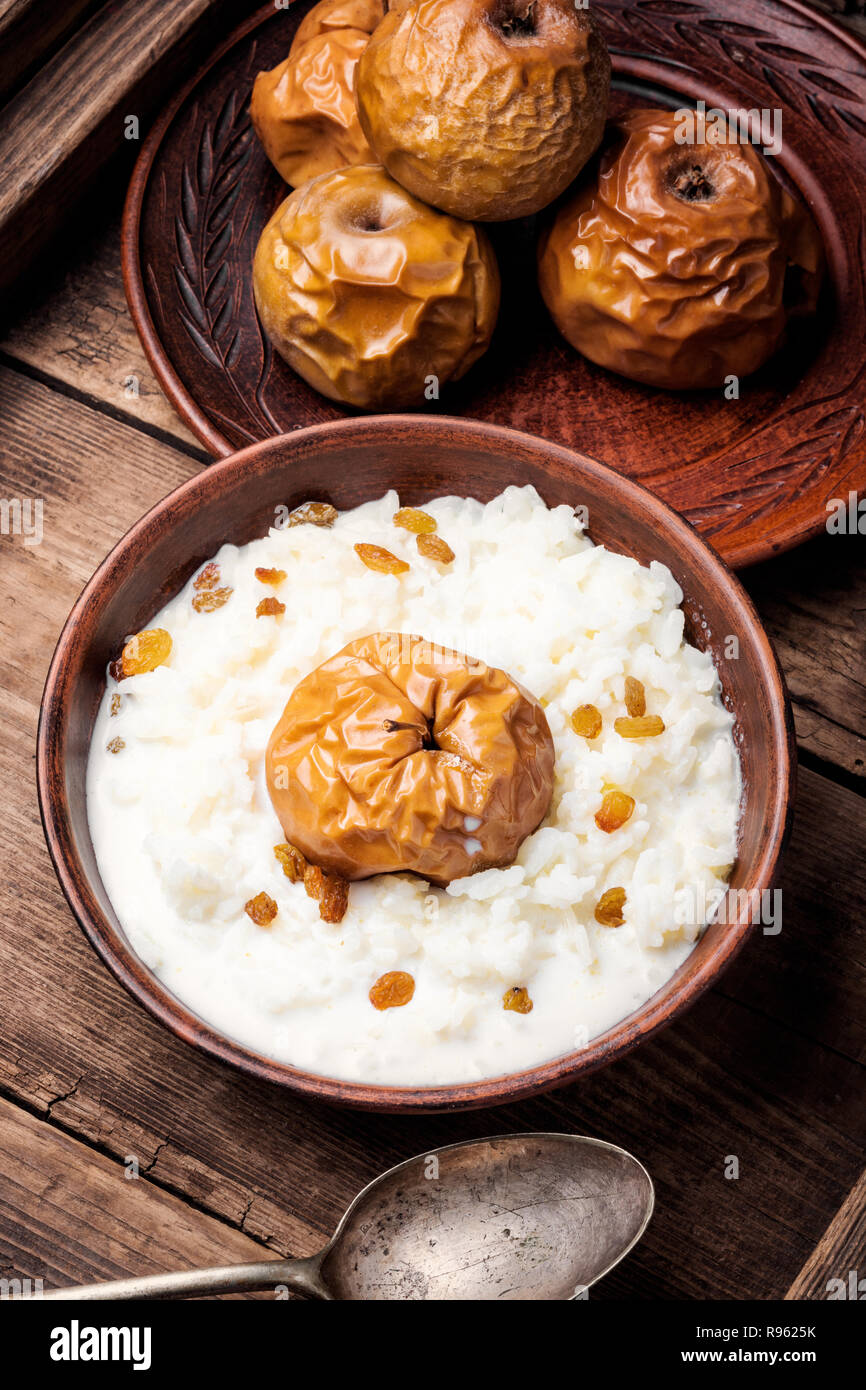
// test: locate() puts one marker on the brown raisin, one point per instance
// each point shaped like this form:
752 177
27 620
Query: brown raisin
330 890
647 726
608 909
335 898
211 599
115 745
261 909
616 808
209 577
313 514
293 862
376 557
635 697
517 1000
434 548
270 608
314 881
272 577
392 991
586 721
145 652
412 519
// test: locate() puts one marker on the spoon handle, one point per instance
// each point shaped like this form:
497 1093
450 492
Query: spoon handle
301 1276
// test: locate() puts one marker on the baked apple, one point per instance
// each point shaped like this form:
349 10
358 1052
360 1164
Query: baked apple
303 110
398 755
485 108
371 296
679 265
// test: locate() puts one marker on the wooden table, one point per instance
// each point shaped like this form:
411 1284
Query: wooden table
768 1068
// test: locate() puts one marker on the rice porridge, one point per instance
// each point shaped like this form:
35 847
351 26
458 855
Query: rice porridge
493 971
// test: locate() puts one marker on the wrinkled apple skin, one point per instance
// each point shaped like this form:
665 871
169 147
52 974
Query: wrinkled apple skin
303 110
366 292
672 292
359 797
485 122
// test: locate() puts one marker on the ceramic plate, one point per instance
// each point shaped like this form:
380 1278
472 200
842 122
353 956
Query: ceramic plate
754 475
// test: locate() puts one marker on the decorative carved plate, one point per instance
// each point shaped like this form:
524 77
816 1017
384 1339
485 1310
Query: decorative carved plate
754 475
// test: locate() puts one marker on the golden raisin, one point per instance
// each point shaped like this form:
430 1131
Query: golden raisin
145 652
314 880
335 898
648 726
393 990
434 548
608 909
115 745
411 519
209 577
116 702
210 599
615 810
635 697
331 891
293 862
270 608
261 909
586 721
517 1000
266 576
376 557
313 514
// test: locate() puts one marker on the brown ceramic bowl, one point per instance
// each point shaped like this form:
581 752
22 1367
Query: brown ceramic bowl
347 462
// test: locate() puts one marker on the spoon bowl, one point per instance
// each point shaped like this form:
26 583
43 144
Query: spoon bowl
519 1216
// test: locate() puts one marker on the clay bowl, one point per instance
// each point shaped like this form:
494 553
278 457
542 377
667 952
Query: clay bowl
347 462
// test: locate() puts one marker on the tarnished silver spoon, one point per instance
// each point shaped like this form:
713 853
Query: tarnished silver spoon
520 1216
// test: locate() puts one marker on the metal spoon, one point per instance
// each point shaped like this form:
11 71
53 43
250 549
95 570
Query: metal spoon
520 1216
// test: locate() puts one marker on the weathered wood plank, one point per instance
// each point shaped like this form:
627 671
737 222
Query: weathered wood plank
762 1069
812 975
77 333
29 32
59 132
68 1215
812 601
837 1266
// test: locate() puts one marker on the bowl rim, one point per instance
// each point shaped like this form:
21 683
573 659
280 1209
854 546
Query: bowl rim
117 953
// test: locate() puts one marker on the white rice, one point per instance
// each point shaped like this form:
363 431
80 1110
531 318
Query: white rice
184 830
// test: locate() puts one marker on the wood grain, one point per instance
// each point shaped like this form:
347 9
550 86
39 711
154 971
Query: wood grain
30 32
76 333
813 602
69 1215
839 1254
61 129
764 1071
